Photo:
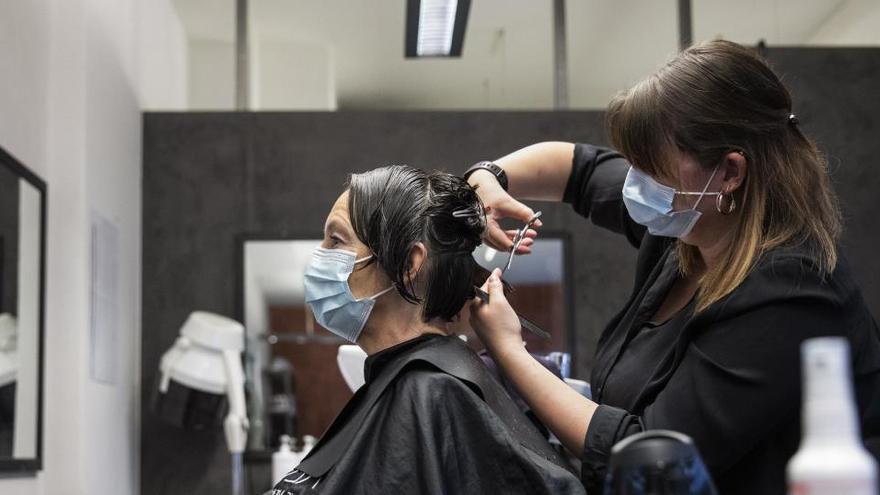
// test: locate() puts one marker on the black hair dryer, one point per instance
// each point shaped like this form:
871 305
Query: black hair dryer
657 462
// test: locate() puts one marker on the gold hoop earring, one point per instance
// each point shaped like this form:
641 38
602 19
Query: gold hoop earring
731 206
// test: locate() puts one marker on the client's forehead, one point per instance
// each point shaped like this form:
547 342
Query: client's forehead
339 216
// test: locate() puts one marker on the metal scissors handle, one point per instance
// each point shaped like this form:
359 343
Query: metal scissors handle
519 238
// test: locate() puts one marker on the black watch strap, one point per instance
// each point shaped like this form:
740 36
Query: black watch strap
497 171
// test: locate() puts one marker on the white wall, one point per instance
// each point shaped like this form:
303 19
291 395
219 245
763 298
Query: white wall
25 444
211 77
603 61
24 54
162 57
71 97
855 23
294 76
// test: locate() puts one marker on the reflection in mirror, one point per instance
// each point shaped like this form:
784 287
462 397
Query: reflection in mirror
21 228
538 282
295 387
8 368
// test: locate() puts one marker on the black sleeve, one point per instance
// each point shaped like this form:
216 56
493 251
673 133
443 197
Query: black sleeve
739 378
594 190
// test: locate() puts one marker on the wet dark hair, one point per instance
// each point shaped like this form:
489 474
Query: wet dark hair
392 208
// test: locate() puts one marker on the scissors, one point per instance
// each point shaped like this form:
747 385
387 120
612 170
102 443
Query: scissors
519 238
484 296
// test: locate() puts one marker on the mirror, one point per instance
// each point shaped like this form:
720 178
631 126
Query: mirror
293 381
22 248
540 283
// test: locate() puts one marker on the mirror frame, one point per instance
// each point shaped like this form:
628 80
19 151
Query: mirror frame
250 455
34 464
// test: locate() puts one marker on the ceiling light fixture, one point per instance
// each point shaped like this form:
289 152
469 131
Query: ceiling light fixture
435 28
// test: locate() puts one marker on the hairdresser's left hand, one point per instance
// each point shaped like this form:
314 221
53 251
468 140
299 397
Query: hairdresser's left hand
495 322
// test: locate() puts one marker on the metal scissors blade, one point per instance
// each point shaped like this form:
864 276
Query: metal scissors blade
528 325
518 239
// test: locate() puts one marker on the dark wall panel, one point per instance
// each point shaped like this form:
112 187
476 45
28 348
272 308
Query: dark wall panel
837 99
209 177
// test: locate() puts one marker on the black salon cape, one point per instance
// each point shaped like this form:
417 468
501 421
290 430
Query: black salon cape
430 433
729 377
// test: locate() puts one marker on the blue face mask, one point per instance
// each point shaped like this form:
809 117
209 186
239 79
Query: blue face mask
329 296
650 204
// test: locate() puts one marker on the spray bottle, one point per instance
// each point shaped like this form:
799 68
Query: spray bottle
284 460
831 459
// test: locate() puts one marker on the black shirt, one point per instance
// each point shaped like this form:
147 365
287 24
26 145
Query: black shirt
728 377
633 374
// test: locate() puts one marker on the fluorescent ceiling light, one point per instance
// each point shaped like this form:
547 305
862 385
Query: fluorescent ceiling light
435 28
436 20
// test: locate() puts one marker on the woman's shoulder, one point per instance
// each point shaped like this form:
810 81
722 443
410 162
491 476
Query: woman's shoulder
795 270
791 277
787 298
441 363
432 397
445 371
423 380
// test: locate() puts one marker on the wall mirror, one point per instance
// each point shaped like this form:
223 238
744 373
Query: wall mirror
22 272
294 383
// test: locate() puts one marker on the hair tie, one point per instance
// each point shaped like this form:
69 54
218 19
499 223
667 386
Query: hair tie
792 119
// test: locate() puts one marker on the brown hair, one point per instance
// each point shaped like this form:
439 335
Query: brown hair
719 97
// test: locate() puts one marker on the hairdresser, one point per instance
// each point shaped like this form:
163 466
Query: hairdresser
737 226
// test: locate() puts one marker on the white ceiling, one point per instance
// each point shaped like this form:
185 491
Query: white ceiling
507 58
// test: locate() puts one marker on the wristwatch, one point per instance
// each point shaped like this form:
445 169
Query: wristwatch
497 171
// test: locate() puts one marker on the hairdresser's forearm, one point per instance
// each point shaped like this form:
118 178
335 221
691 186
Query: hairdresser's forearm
563 410
536 172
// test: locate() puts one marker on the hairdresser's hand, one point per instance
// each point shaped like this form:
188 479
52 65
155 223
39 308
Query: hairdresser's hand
500 205
495 322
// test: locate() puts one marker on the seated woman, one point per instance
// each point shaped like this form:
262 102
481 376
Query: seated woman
394 268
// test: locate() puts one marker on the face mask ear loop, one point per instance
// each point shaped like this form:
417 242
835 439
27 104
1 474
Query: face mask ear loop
382 293
365 258
376 295
709 183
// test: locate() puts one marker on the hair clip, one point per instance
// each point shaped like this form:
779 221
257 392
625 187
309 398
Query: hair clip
792 119
465 212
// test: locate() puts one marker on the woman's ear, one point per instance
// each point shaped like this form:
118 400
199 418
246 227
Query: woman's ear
418 254
734 168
